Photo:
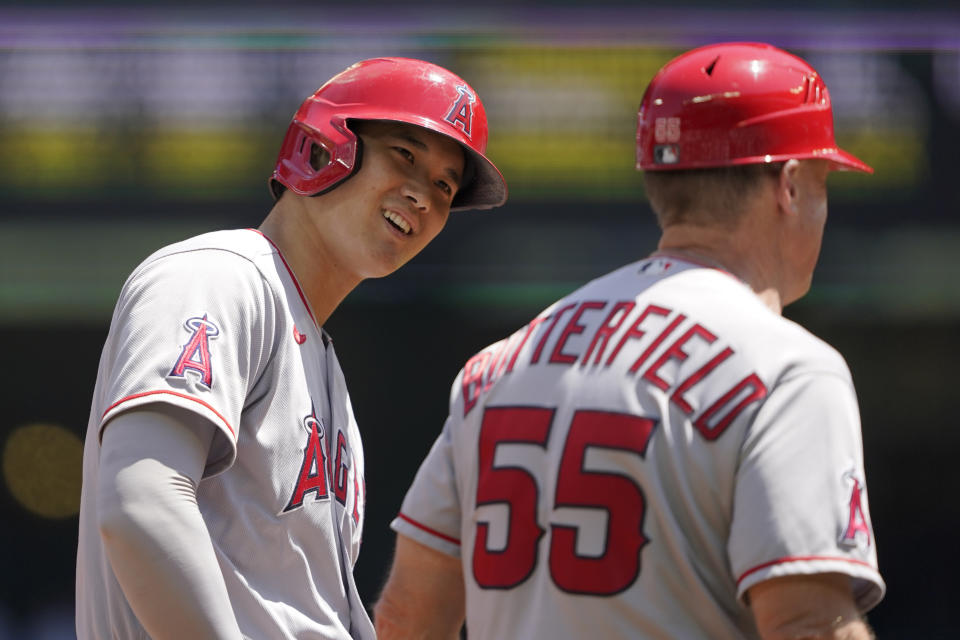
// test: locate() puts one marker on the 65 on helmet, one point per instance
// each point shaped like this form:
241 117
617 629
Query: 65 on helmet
394 89
736 103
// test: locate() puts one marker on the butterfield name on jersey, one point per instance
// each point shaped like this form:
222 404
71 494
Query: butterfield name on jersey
624 321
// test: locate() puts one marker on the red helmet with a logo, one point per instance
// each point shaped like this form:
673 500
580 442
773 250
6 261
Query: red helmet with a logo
737 103
395 89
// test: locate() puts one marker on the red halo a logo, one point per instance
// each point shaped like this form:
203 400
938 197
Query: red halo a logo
195 355
461 112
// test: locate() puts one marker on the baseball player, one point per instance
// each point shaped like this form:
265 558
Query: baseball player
661 454
223 479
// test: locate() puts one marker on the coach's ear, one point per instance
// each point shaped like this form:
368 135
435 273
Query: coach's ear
787 189
807 606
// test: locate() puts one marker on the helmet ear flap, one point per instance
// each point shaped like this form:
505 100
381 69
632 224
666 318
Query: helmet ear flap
312 162
329 173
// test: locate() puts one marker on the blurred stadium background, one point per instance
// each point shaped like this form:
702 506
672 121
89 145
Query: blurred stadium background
129 125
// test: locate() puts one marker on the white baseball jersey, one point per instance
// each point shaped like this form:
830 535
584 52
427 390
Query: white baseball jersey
639 455
218 325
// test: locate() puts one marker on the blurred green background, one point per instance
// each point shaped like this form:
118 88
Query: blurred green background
126 126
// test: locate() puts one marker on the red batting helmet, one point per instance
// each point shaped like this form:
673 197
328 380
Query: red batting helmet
737 103
396 89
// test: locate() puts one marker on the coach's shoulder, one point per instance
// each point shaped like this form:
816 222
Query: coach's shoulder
808 351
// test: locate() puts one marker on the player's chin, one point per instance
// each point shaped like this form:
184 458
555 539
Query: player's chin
396 256
385 264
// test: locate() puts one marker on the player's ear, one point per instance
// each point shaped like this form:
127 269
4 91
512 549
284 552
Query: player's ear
787 187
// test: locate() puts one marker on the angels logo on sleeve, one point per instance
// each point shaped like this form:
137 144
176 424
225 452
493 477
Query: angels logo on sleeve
195 355
857 532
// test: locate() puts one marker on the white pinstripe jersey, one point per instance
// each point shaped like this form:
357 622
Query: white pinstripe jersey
218 325
639 455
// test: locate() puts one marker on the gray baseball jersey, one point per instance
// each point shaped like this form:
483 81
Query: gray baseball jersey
639 455
218 325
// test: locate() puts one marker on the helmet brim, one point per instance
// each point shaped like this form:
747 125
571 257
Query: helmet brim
846 161
486 190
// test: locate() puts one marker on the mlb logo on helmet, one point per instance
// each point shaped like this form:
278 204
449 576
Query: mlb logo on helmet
666 154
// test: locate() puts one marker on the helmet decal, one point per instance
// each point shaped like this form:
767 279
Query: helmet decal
666 154
461 113
667 130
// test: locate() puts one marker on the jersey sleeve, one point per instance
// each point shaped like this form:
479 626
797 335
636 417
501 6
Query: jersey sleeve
800 504
194 330
430 513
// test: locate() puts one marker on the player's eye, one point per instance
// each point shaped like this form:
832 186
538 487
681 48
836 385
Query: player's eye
445 187
406 153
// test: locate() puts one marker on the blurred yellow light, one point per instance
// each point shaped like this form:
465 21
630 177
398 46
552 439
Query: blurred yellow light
42 468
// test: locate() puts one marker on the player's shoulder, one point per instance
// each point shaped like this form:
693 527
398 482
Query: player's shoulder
220 259
244 244
810 351
229 254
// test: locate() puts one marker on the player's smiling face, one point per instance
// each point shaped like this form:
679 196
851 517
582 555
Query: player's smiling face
397 202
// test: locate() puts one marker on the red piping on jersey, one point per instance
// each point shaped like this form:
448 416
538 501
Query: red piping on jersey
799 559
303 298
172 393
429 530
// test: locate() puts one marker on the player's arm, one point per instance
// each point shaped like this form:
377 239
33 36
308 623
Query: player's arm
151 460
423 597
802 607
